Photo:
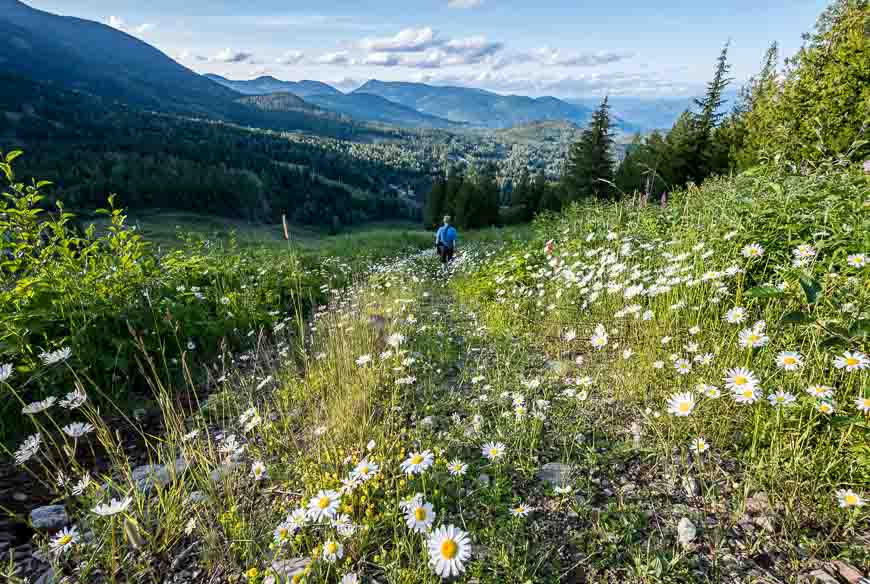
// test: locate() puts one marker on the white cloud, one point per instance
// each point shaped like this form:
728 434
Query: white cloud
555 57
290 58
405 41
121 24
337 58
464 3
232 56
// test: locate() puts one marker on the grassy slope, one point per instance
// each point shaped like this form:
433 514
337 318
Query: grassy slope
490 355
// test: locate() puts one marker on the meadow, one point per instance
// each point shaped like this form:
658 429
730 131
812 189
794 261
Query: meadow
624 393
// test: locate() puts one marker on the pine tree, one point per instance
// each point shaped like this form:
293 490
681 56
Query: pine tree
523 199
590 160
436 203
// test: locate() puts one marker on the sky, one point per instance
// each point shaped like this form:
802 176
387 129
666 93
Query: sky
564 48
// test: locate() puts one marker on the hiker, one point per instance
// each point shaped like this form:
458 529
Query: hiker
445 240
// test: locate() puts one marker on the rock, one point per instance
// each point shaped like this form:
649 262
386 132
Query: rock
483 479
46 578
290 567
765 522
197 497
758 504
555 473
686 531
20 497
691 487
49 517
147 476
818 577
849 572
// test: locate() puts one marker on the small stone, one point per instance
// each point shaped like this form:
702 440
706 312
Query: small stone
483 479
20 497
555 473
758 504
686 531
49 517
848 571
691 487
818 577
290 567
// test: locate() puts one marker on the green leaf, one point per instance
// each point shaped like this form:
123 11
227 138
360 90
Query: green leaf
765 292
833 343
795 317
13 155
812 289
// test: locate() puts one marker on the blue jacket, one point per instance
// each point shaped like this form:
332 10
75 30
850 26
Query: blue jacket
446 235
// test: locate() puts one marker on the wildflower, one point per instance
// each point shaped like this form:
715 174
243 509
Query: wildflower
820 391
73 399
365 470
418 462
395 340
190 526
38 406
521 510
856 260
710 391
28 448
5 371
681 404
789 360
350 578
419 517
683 366
297 519
563 490
752 338
659 364
493 450
852 361
191 345
735 315
323 505
699 445
704 359
457 468
849 498
82 485
740 378
694 330
626 354
53 357
599 337
826 407
449 548
753 250
666 340
114 507
332 551
781 398
258 471
863 404
745 395
364 360
804 251
64 539
77 429
371 445
570 335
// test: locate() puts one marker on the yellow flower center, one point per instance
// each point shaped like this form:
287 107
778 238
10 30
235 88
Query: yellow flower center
753 338
824 408
282 533
297 578
747 393
420 513
789 360
851 361
684 408
332 547
323 502
850 499
417 459
740 380
449 549
364 470
64 540
493 452
866 402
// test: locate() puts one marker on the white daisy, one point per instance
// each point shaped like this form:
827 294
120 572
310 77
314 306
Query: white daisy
258 471
114 507
332 551
857 260
849 498
820 391
350 578
457 468
826 407
789 360
324 505
63 540
753 250
365 470
681 404
521 510
418 462
863 404
740 378
38 406
751 338
493 450
683 366
699 445
781 398
419 517
735 315
77 429
5 371
745 395
364 360
50 358
73 399
449 549
852 361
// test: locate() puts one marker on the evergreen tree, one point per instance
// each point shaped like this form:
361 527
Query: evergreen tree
523 199
548 196
590 160
436 203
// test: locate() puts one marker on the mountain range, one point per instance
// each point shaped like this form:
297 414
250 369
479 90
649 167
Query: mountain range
75 54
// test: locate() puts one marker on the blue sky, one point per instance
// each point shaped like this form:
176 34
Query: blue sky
565 48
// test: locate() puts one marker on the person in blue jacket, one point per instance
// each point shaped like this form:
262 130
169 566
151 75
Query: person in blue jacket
445 240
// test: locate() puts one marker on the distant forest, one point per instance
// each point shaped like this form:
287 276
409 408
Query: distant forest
90 148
